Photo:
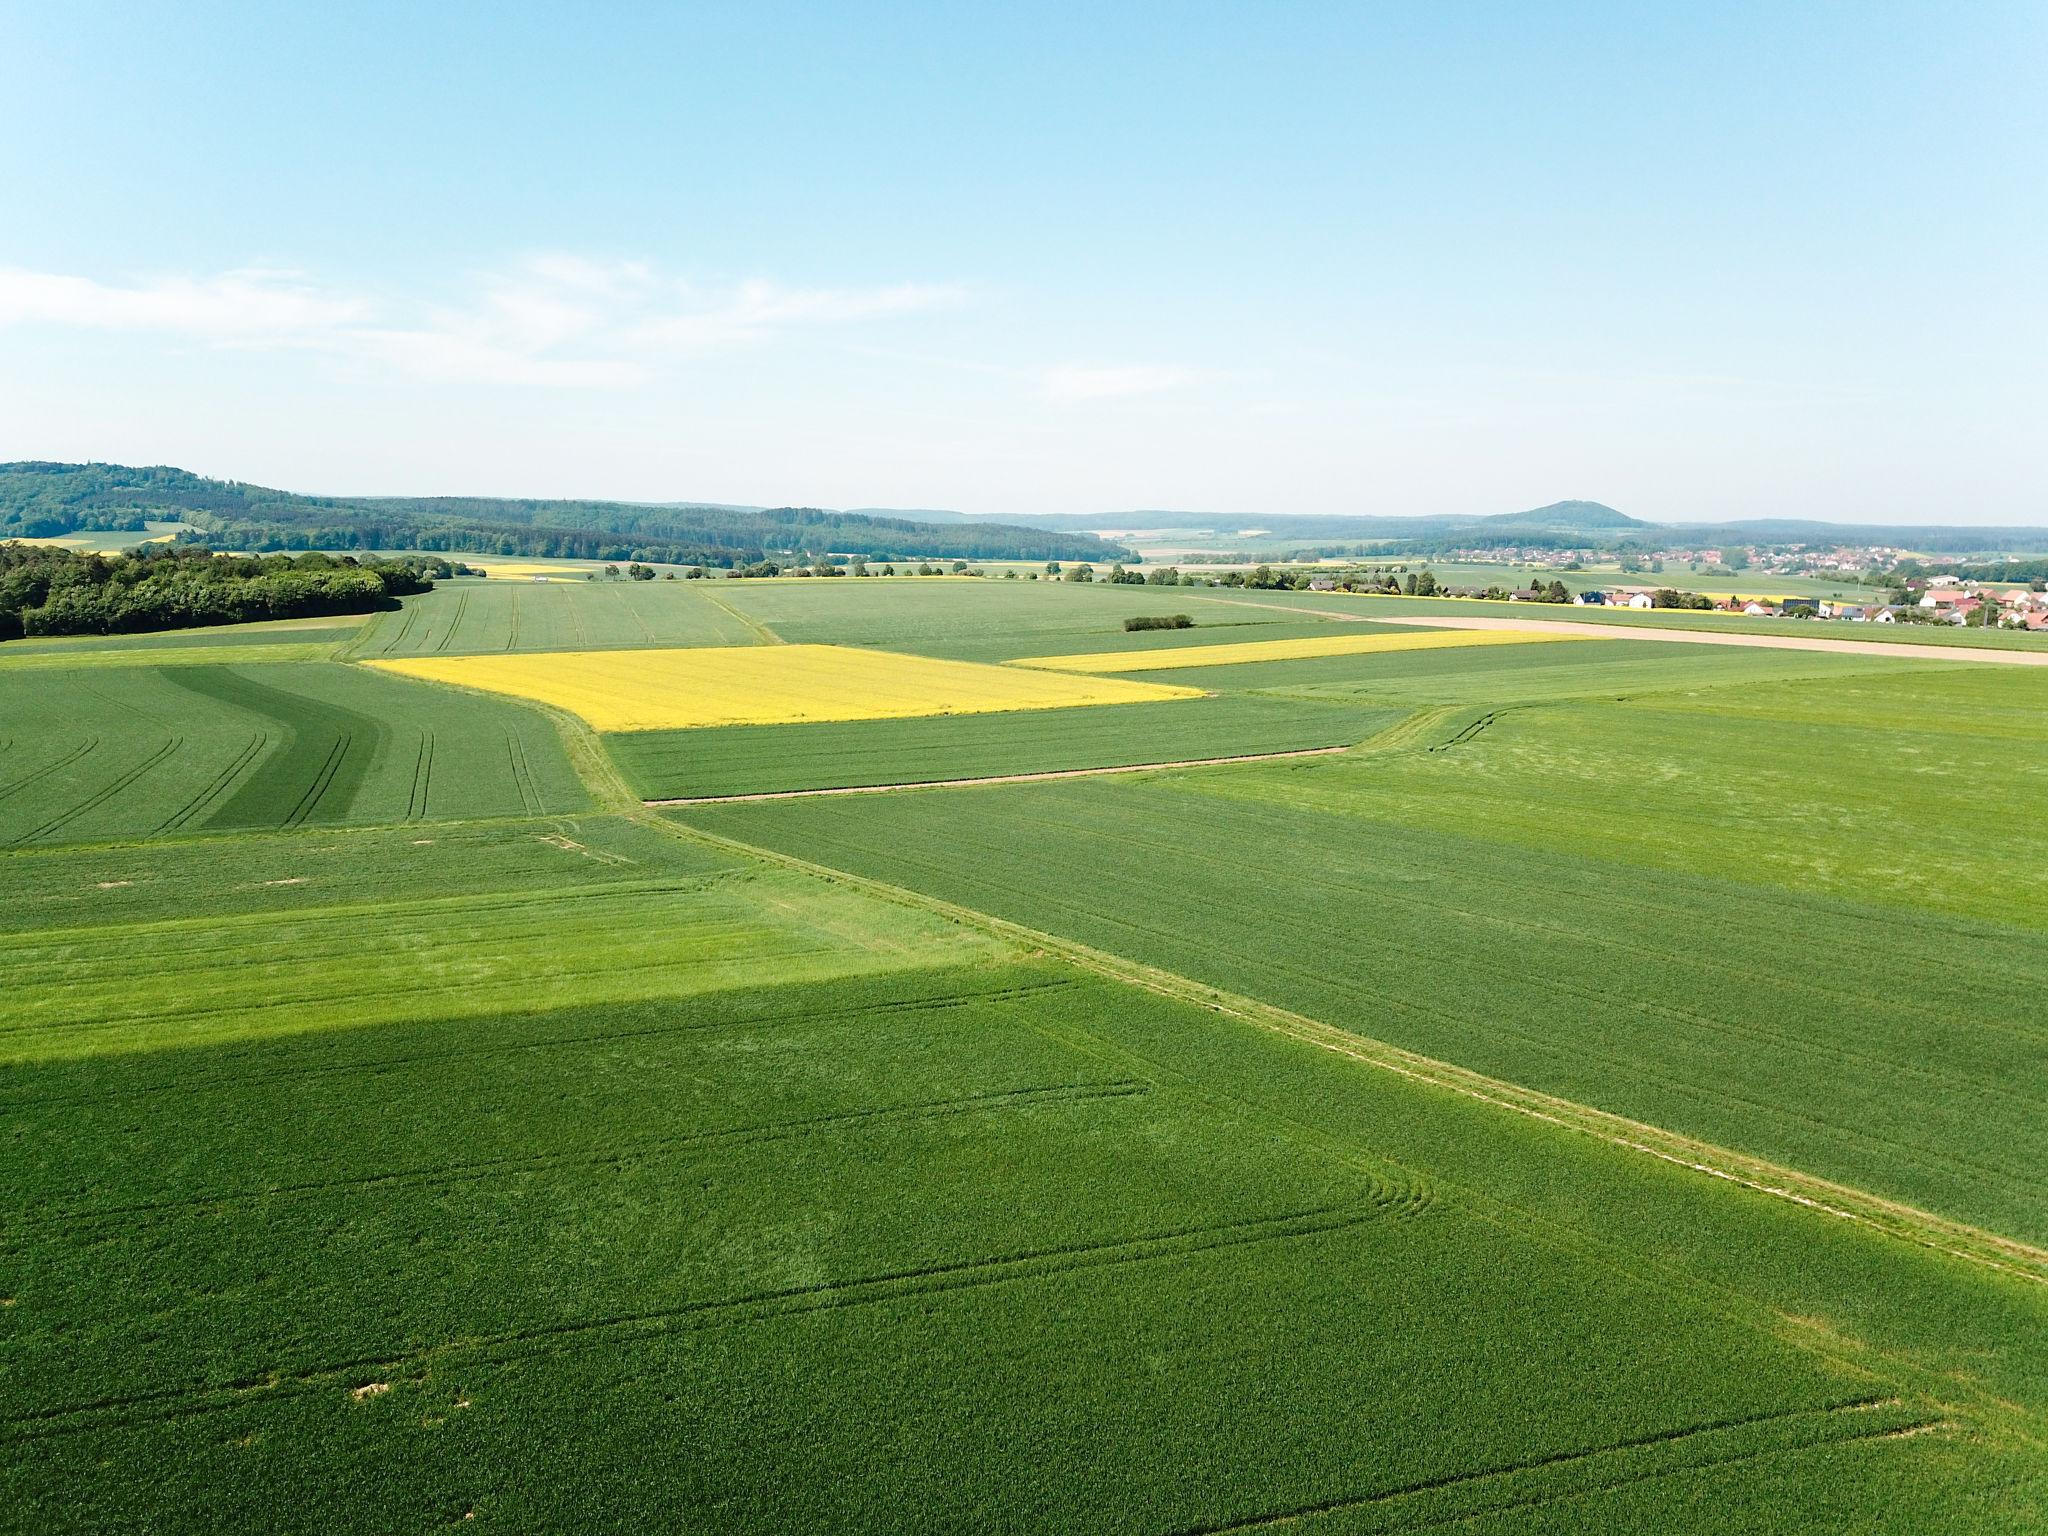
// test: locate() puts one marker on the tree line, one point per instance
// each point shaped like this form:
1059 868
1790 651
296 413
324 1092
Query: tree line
46 590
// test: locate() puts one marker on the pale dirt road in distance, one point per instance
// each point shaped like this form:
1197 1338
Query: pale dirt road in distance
1905 651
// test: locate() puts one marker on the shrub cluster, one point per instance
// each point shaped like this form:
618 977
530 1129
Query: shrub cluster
1160 621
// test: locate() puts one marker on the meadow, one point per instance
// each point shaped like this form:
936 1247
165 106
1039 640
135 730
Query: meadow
403 1138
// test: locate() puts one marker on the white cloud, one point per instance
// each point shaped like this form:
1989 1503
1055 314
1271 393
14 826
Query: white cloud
1110 383
554 321
241 306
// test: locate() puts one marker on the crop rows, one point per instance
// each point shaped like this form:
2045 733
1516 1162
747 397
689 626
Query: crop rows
769 758
136 751
694 1152
556 1170
481 618
1690 1003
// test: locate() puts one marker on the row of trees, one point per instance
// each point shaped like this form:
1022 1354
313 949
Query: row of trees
51 591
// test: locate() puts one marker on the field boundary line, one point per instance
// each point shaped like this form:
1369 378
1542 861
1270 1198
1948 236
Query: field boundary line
1892 1217
999 778
754 626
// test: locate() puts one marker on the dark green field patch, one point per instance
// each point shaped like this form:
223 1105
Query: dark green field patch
322 754
103 752
782 1257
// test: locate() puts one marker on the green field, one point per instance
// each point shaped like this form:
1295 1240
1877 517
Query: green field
470 618
757 759
109 751
409 1129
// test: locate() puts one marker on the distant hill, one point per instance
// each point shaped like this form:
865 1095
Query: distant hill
1559 516
44 499
1566 515
1561 524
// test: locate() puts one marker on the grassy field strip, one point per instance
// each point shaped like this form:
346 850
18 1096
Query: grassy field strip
1297 649
74 994
1892 1217
742 685
1000 778
166 656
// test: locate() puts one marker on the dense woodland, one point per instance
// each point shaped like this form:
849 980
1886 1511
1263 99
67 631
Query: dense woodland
39 500
46 590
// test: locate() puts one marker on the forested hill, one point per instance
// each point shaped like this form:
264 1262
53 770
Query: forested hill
42 499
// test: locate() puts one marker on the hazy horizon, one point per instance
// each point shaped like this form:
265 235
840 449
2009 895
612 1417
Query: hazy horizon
1405 261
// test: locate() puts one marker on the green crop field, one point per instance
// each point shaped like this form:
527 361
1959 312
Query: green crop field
757 759
470 618
1607 1096
107 751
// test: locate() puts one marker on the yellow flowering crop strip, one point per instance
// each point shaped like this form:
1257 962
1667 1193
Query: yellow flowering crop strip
661 690
511 572
1285 650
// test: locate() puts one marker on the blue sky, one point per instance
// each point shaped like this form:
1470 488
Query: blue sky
1726 261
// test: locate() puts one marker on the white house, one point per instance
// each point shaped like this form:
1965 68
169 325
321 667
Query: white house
1640 600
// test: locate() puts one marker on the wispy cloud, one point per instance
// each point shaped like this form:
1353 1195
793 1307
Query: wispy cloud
556 321
1110 383
229 307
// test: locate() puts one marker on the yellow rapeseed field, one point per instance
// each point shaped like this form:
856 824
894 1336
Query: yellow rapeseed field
526 572
660 690
1342 644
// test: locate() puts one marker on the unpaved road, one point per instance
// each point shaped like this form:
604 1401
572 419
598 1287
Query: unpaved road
1001 778
1906 650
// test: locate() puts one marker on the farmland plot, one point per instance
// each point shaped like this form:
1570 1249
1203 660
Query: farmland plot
478 618
574 1172
981 620
92 753
786 1257
652 690
1877 786
758 759
1348 641
1754 1016
597 931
